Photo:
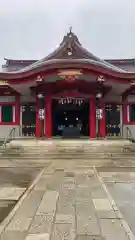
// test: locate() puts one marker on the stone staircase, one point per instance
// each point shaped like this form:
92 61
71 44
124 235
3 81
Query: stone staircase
77 150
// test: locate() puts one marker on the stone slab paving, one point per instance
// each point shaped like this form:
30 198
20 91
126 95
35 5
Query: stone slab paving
112 229
102 204
15 235
69 201
89 238
42 236
122 188
75 208
11 193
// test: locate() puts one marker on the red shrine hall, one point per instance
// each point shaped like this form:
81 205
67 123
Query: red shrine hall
69 89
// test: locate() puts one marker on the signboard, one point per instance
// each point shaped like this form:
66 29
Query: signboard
99 114
41 114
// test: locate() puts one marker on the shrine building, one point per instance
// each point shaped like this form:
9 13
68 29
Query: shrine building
68 88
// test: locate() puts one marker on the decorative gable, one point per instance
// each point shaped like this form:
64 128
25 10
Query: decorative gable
71 48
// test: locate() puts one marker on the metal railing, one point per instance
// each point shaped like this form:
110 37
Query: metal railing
9 137
130 135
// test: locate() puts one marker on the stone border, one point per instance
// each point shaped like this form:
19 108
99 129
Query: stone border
6 221
125 225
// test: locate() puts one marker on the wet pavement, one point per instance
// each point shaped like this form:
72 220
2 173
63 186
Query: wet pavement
5 207
13 183
17 176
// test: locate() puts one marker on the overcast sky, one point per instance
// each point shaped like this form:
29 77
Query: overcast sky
30 29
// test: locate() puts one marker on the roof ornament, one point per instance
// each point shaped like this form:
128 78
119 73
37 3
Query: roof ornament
70 29
70 37
70 32
39 79
100 79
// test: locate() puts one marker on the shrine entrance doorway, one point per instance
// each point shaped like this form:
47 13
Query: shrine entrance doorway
71 113
29 119
113 120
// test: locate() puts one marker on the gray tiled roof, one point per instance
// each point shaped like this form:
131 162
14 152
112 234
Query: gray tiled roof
71 41
86 61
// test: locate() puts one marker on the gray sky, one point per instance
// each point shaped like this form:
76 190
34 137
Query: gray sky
30 29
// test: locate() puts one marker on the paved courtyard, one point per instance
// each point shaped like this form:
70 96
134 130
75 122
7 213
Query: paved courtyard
67 200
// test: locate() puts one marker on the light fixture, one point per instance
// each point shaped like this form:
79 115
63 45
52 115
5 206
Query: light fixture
40 95
99 95
76 119
66 118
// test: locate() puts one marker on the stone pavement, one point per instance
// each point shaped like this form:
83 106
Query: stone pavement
67 205
121 185
69 199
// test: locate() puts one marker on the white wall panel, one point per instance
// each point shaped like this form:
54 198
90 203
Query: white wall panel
7 99
131 98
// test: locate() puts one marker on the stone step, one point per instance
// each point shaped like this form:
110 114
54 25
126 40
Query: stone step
71 150
68 157
126 154
72 145
101 148
61 160
68 152
68 142
120 153
89 149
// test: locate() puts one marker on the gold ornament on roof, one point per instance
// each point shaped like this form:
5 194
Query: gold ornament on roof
4 83
69 74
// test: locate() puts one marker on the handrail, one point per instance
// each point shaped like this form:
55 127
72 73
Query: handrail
130 135
9 137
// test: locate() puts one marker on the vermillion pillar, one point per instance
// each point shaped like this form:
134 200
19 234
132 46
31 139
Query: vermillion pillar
92 120
17 110
48 116
124 113
102 122
38 121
